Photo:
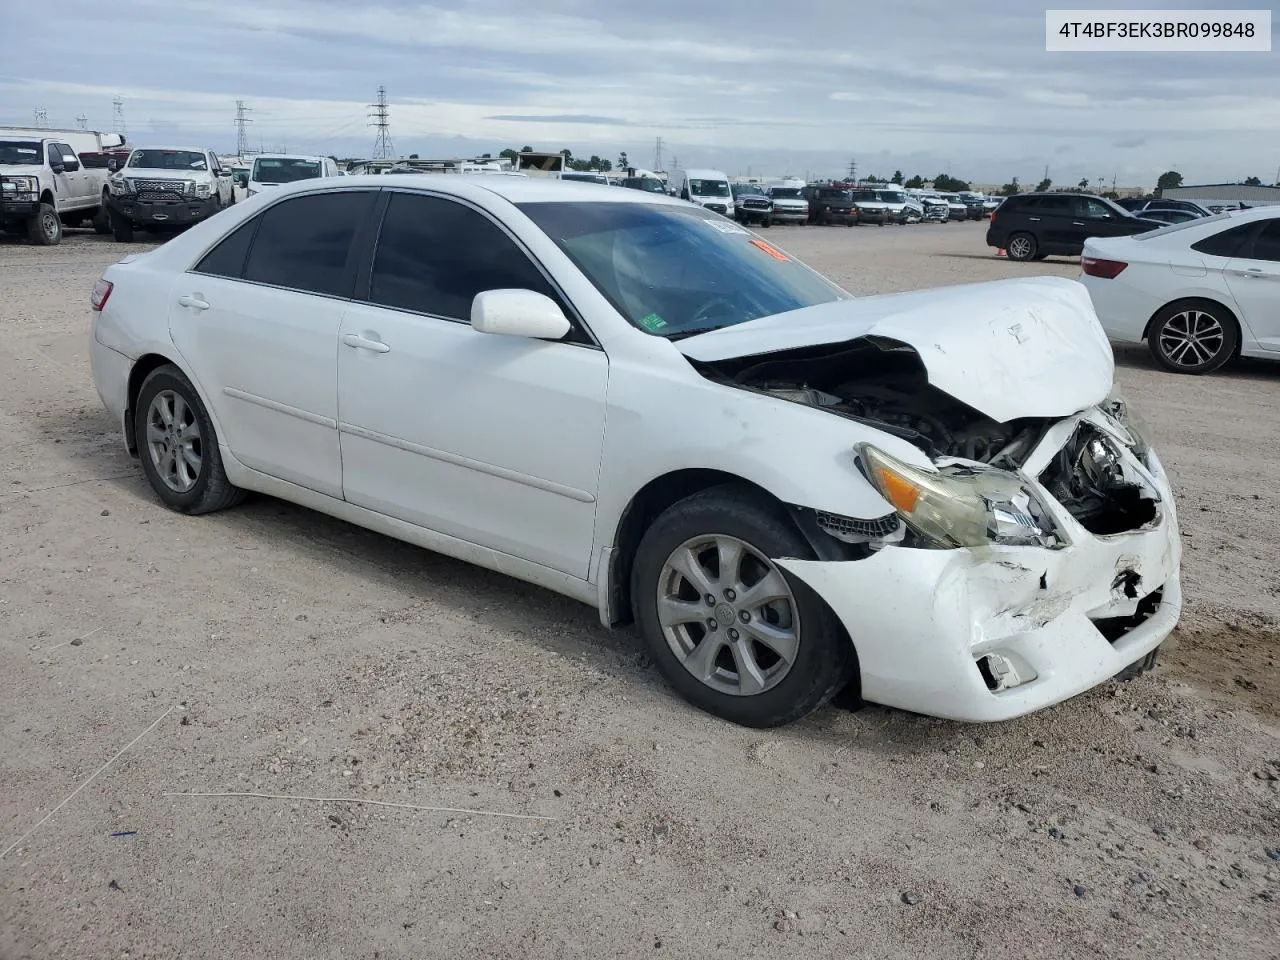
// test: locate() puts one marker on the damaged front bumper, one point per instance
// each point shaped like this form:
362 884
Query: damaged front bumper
995 632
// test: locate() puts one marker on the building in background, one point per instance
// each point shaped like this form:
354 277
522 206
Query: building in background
1212 194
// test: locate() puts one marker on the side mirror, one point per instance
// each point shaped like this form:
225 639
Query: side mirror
112 166
57 166
70 165
518 313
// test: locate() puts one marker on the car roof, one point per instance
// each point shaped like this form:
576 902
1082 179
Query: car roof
288 156
513 189
172 148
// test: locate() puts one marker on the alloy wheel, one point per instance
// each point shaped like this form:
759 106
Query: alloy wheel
49 224
728 614
1020 248
1191 338
174 441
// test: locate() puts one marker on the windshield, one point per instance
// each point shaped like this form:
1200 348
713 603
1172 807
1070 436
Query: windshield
708 188
789 193
747 190
675 271
1175 227
168 160
865 196
13 152
892 196
286 169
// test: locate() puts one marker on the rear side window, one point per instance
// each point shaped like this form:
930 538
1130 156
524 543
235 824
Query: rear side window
304 243
435 255
1053 205
1267 244
227 258
1227 243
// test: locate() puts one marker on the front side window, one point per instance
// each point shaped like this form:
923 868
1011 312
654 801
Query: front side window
434 255
304 243
1097 210
168 160
672 271
284 170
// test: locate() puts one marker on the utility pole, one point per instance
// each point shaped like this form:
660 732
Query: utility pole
380 117
82 122
657 156
42 117
117 115
242 131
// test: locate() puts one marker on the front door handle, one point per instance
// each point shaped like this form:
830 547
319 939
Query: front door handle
194 301
363 343
1076 223
1034 219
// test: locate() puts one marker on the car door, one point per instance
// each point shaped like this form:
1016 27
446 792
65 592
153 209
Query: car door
1254 281
64 183
491 439
257 321
77 179
1096 219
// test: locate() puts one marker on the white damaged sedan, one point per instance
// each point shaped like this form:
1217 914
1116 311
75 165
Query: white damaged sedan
935 497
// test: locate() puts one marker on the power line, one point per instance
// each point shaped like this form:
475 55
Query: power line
242 131
380 117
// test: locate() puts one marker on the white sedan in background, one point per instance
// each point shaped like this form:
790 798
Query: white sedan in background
638 403
1199 293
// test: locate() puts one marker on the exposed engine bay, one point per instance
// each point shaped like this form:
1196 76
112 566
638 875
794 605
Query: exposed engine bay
884 384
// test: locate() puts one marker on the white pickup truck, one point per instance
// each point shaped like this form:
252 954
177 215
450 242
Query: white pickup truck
162 187
44 185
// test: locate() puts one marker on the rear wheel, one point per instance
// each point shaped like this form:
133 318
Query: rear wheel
1022 246
729 630
1193 337
45 228
178 446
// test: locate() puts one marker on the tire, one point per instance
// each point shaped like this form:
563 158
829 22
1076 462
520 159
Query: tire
1193 337
102 219
184 486
1022 247
1135 670
45 228
121 228
777 691
766 222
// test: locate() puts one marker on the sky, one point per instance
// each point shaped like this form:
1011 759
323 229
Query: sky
749 87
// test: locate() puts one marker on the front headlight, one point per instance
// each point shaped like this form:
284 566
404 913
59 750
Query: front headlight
962 505
21 185
119 186
1123 412
203 189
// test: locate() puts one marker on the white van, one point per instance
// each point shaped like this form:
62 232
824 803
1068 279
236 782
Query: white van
710 188
273 169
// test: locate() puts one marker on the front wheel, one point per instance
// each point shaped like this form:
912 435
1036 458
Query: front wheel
1193 337
729 630
121 228
1022 247
45 228
178 446
102 219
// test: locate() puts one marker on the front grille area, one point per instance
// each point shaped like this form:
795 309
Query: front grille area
717 207
751 203
852 528
160 189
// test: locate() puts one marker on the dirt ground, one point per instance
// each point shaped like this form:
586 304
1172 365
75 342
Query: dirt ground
287 653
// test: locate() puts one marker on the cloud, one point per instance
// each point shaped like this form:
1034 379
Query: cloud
908 85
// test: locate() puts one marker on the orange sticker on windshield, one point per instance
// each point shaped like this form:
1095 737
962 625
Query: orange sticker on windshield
770 249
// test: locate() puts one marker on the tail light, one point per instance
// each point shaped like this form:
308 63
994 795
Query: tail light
1106 269
101 291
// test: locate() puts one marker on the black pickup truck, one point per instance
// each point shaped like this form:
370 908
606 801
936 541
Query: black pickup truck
831 205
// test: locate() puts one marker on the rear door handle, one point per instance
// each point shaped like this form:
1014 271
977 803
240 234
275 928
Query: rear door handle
363 343
1076 223
1034 219
194 301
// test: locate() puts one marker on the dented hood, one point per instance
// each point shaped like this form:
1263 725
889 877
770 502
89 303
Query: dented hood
1011 348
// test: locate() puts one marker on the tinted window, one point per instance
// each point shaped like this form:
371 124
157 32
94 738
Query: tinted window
1097 210
68 155
168 160
1267 244
1053 205
673 270
435 255
1227 243
227 258
303 243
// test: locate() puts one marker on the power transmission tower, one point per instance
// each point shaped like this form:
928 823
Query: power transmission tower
117 115
853 170
242 131
42 117
380 117
657 155
82 122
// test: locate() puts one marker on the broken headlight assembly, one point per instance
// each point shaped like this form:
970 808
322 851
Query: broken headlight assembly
1123 413
962 505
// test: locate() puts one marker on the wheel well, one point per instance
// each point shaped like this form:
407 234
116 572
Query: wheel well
47 197
144 365
1193 301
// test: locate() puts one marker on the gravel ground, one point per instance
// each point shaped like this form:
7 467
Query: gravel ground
287 653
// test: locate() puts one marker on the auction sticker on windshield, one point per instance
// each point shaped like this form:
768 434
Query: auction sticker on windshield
725 226
770 249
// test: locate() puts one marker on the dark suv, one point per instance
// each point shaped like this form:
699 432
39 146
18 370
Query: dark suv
751 204
1032 226
831 205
